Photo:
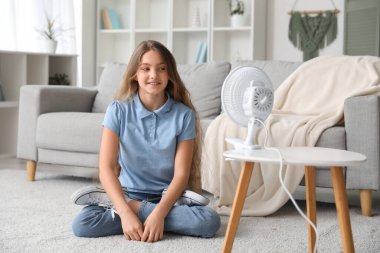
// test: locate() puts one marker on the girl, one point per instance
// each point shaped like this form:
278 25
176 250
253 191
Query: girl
151 131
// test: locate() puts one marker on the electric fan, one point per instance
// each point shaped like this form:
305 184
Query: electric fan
247 98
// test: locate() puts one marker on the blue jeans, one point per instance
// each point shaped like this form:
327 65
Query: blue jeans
97 221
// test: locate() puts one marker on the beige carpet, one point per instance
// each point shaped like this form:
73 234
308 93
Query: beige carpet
36 217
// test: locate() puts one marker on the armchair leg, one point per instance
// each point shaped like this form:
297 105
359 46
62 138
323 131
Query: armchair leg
366 202
31 170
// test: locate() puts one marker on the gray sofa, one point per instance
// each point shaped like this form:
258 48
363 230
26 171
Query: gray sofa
62 125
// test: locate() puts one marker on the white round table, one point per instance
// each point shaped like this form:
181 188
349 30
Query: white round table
309 157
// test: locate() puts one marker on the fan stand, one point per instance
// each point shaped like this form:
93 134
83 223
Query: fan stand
250 141
240 144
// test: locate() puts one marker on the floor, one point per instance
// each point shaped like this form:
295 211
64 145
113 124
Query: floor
323 194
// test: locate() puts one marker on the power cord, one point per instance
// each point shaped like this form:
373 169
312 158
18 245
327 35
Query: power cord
286 189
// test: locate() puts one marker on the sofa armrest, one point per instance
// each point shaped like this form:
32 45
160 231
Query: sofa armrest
39 99
362 117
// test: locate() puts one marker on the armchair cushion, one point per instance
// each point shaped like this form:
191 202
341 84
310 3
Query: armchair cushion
70 131
39 99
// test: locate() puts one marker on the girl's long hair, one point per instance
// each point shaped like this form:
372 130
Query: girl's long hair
177 90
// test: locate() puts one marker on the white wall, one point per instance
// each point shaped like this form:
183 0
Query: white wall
278 45
88 48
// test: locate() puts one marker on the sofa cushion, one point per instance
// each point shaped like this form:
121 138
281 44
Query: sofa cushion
277 71
109 82
204 82
70 131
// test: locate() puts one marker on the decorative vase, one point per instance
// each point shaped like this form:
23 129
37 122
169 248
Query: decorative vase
196 19
48 46
238 20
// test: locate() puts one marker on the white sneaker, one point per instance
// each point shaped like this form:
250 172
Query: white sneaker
190 198
91 195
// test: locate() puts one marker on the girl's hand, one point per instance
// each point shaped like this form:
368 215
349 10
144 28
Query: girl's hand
153 228
132 227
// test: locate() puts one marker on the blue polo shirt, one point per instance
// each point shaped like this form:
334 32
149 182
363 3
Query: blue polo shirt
148 141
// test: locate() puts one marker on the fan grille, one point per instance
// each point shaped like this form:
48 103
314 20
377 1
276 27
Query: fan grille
233 91
260 95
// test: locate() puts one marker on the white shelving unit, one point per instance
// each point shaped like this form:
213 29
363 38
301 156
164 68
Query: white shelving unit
171 23
20 68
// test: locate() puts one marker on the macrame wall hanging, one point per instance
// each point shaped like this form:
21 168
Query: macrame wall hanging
310 31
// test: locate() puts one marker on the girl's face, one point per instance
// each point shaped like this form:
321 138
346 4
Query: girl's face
152 74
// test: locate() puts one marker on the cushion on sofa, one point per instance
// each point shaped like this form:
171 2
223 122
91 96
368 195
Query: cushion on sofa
109 82
204 82
277 71
70 131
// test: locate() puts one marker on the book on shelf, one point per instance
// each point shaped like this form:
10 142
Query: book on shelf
110 19
202 52
106 21
114 18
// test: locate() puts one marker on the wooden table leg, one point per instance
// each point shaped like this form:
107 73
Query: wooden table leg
311 204
237 207
341 203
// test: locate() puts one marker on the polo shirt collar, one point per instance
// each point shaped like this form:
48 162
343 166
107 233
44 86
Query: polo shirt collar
142 112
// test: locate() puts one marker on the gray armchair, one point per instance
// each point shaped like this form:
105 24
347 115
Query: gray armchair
49 131
63 125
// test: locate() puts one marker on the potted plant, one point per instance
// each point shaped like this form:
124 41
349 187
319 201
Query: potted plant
236 7
237 10
49 35
59 79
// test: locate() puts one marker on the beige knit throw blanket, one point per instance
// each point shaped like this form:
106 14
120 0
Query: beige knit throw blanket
309 101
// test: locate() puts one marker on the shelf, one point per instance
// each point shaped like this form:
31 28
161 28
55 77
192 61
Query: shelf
186 45
26 68
229 28
8 104
115 31
204 29
13 53
159 36
151 30
181 25
185 12
232 46
122 9
154 14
